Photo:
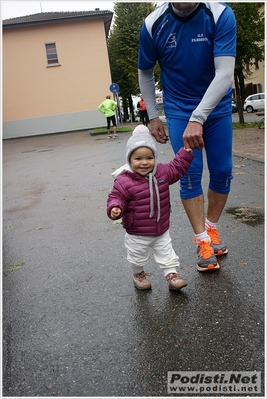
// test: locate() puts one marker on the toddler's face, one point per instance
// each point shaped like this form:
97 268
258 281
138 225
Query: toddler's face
142 161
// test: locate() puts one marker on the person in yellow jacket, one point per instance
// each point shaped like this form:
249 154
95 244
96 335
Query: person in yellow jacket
108 108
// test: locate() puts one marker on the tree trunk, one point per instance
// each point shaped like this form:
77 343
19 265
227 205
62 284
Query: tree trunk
239 99
125 109
130 100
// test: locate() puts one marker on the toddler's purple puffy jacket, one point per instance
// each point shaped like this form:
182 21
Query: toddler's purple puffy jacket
131 193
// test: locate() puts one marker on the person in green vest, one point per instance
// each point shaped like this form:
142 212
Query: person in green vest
108 108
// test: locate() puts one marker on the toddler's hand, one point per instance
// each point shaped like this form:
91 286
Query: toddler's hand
115 212
188 149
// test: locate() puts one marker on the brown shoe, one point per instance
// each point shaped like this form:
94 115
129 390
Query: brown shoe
141 282
174 282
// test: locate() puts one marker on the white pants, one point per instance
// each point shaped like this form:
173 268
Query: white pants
138 252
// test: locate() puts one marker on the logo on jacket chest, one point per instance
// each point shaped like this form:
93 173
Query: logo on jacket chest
171 41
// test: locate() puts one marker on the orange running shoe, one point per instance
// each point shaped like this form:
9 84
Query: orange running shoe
206 259
219 247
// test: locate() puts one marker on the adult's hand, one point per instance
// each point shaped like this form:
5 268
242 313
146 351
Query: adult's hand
193 136
158 131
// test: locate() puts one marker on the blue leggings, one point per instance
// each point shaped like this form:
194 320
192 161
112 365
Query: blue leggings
217 136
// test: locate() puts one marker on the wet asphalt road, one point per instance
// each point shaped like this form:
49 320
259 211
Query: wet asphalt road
73 323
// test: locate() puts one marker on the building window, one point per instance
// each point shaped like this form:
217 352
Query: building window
51 54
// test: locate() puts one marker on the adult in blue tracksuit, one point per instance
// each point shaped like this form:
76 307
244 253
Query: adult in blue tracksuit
195 46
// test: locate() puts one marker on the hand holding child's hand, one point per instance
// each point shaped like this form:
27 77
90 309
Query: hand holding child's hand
193 136
115 212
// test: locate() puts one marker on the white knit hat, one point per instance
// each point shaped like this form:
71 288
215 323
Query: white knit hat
140 129
138 140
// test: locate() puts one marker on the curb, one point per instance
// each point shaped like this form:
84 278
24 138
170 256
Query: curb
251 158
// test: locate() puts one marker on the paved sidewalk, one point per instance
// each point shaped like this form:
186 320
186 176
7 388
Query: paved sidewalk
250 143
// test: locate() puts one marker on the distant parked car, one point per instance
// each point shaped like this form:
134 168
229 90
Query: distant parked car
254 102
234 106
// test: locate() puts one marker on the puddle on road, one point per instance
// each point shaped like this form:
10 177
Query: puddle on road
251 216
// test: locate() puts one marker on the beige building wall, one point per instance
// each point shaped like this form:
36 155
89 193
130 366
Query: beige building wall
36 94
256 80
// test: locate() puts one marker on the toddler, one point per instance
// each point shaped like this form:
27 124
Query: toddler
141 197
